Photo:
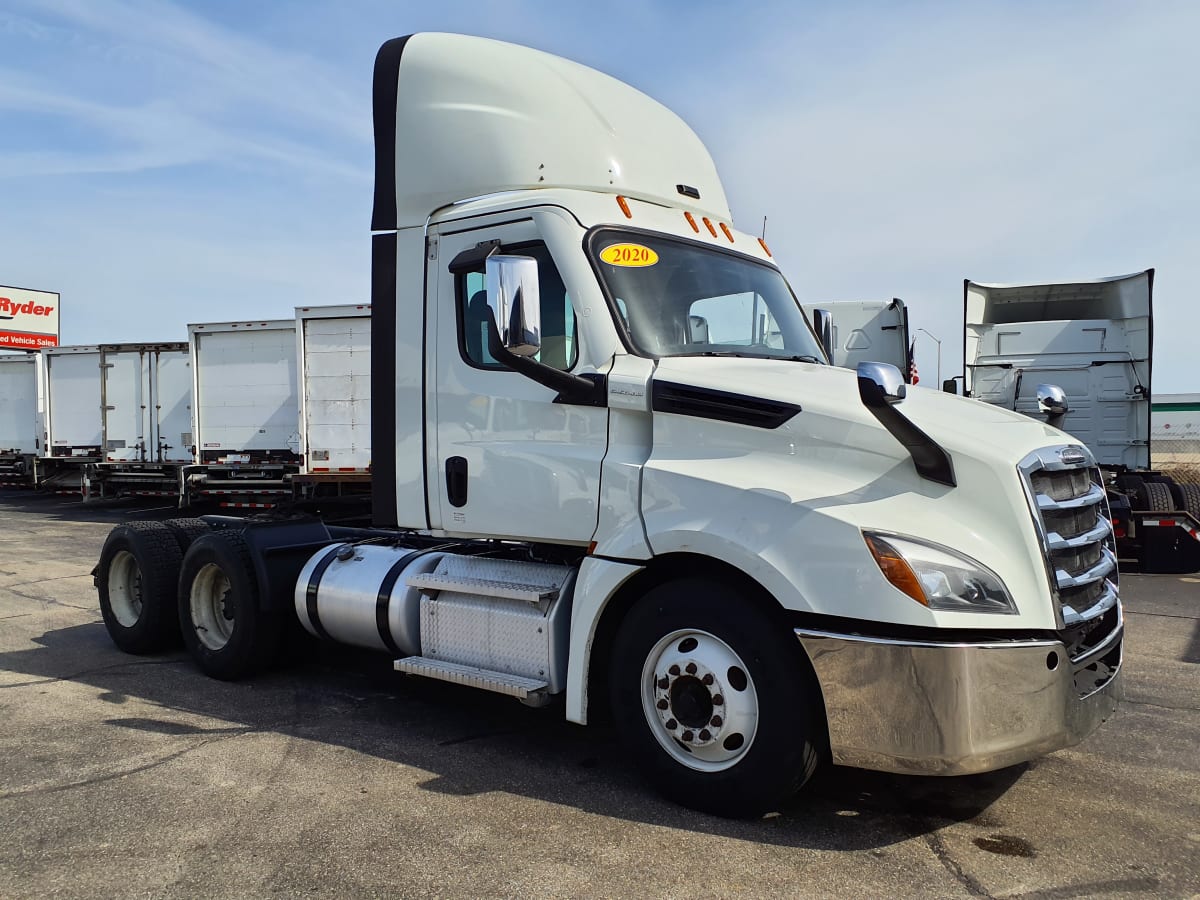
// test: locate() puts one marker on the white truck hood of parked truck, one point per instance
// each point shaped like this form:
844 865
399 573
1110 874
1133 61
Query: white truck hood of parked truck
770 496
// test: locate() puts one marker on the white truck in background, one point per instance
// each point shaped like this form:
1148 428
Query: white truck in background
334 355
245 413
19 439
1091 340
612 467
864 331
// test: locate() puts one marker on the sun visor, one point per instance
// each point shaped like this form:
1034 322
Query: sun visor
459 117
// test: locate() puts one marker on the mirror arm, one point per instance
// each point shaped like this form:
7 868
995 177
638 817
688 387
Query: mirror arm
578 389
931 460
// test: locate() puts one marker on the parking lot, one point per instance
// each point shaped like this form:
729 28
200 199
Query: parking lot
137 776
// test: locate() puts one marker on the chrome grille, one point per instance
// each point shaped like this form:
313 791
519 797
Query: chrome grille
1066 496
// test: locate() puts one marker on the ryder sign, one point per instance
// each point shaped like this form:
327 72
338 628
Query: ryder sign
28 319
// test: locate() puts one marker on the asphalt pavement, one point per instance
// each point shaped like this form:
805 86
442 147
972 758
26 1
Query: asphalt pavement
124 776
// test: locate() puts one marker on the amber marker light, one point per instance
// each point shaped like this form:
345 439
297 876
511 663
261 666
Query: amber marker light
691 220
624 204
728 233
709 225
766 249
895 569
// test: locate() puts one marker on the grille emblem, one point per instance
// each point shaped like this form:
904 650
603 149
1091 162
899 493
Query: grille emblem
1072 456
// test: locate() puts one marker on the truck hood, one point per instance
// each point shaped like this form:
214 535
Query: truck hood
961 425
788 501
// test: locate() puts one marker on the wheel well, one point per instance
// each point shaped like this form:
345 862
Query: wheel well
660 570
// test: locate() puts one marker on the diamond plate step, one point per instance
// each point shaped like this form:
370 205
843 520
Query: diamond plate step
484 587
499 682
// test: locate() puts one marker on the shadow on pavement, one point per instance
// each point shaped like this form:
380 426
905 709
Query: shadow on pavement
477 743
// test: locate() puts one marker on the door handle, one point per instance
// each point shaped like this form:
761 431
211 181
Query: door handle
456 481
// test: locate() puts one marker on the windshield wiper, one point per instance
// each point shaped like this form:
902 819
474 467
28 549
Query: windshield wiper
736 355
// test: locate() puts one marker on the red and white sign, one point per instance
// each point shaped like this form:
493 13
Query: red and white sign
28 319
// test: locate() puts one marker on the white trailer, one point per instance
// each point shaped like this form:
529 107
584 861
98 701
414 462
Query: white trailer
18 419
245 413
69 410
620 472
145 406
334 353
867 331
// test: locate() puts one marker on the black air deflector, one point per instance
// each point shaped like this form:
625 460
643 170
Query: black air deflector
383 380
706 403
383 109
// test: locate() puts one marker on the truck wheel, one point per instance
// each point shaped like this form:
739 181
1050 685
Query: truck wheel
135 579
1191 498
717 704
1154 497
186 531
224 628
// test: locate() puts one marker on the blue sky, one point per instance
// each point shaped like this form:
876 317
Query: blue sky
164 163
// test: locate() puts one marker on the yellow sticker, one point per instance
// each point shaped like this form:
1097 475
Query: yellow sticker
628 255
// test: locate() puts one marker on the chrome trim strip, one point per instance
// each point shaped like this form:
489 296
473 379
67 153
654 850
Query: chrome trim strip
1106 602
1056 541
1107 564
1101 649
936 645
1094 495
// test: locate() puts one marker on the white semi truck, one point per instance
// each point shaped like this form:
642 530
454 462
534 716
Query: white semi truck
19 441
245 415
72 428
855 331
612 468
1094 341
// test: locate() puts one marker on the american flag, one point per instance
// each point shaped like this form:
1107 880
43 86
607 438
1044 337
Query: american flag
913 377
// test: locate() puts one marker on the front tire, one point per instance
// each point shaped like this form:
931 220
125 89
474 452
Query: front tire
135 580
224 628
714 699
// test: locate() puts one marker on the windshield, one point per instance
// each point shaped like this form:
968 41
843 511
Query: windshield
675 298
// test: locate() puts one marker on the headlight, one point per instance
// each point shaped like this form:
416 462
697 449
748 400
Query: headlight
938 577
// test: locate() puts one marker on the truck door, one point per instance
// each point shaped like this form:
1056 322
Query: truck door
507 461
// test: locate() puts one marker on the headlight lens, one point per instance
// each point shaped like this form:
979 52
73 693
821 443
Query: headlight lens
938 577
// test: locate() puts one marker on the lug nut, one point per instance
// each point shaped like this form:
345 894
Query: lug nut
718 699
672 724
691 668
664 682
716 722
687 736
707 679
674 670
663 704
705 734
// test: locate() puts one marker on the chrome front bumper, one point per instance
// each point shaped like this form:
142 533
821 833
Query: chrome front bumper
930 708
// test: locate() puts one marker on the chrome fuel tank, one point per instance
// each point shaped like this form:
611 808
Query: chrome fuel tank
357 594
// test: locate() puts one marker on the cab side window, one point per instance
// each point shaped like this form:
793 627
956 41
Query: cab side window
559 344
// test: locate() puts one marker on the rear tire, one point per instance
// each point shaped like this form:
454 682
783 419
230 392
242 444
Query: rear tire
715 702
135 580
1191 498
186 531
224 628
1153 496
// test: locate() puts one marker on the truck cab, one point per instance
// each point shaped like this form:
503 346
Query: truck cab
612 467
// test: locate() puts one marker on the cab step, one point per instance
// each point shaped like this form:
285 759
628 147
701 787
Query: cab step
499 682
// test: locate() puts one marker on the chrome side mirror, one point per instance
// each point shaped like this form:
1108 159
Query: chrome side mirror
1052 400
1052 403
880 384
512 296
823 326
